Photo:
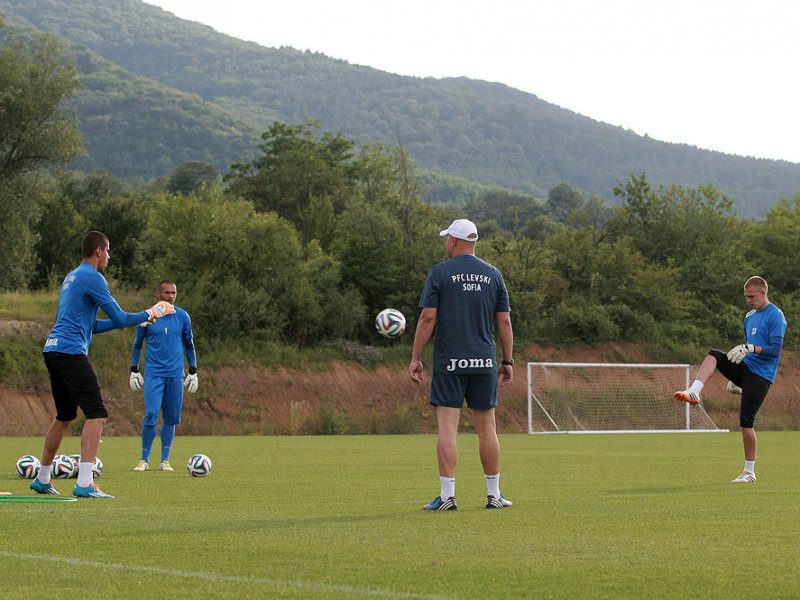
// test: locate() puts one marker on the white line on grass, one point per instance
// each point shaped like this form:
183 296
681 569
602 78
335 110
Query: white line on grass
221 578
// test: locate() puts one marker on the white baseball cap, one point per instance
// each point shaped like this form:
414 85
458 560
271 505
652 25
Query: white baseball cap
463 229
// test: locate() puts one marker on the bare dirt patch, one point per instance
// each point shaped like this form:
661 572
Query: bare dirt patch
348 398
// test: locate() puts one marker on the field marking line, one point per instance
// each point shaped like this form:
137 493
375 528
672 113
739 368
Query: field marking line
222 578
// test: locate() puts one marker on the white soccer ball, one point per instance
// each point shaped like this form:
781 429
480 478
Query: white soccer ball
199 465
97 469
390 323
63 467
76 458
28 466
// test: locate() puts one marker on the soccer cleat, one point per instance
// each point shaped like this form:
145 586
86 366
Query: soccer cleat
745 477
89 491
43 488
492 502
732 388
165 466
439 504
688 396
141 466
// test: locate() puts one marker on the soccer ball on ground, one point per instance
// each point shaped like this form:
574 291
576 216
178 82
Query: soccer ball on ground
199 465
28 466
390 323
63 467
97 469
76 458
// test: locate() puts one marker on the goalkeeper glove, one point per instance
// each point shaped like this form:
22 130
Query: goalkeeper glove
737 353
137 381
191 382
160 309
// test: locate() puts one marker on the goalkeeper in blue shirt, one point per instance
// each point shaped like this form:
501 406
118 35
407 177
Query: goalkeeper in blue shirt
73 380
167 341
750 368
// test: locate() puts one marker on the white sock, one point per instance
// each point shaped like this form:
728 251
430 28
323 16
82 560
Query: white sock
85 477
750 466
697 386
448 487
45 475
493 485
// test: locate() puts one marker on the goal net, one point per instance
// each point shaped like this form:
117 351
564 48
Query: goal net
611 398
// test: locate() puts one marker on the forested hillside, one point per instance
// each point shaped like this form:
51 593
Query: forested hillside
158 91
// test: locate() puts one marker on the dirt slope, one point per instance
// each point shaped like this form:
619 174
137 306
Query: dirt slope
347 398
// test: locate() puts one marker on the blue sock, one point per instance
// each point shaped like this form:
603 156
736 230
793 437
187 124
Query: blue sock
167 435
148 435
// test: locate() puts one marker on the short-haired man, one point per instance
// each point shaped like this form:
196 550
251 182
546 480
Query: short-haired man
66 354
167 343
463 299
750 367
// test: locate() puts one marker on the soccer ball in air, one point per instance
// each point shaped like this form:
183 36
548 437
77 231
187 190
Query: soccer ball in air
28 466
63 467
390 323
199 465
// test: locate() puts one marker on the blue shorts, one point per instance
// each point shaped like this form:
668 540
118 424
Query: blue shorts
480 391
163 394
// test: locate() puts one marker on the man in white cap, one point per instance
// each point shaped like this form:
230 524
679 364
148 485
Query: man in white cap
463 299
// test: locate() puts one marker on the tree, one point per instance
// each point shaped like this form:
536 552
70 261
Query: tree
36 128
562 200
36 132
192 177
298 165
693 231
774 245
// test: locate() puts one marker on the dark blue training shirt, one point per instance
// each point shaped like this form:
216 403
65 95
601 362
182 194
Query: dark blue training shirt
467 293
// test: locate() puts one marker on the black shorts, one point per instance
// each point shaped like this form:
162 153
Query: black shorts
754 387
74 383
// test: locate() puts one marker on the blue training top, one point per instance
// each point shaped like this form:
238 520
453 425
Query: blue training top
765 328
168 339
83 292
467 293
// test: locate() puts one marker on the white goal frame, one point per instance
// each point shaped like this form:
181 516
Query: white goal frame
533 401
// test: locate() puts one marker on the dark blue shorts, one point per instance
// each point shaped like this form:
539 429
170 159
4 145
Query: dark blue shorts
480 391
74 383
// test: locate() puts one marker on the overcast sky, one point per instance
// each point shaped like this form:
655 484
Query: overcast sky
718 74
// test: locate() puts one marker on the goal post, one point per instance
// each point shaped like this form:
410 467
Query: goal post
611 398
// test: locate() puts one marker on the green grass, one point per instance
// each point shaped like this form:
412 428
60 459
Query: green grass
603 516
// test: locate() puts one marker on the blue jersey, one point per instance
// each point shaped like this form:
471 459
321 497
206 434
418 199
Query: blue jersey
766 328
168 340
467 293
83 292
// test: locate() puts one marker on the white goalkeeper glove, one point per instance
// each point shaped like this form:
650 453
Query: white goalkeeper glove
137 381
160 309
732 388
191 382
737 353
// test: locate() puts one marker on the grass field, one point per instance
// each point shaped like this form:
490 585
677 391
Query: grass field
611 516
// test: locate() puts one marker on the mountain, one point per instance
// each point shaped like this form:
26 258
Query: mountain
159 91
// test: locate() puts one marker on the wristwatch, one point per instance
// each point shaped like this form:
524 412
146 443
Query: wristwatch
507 361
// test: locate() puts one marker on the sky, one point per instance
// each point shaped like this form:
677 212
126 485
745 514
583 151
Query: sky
717 74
